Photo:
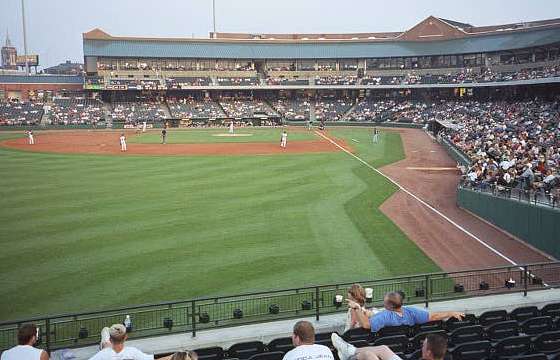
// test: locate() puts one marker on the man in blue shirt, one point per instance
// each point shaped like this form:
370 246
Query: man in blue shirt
396 314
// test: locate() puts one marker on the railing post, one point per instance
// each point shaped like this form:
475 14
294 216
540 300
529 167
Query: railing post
48 334
317 303
427 280
193 318
525 280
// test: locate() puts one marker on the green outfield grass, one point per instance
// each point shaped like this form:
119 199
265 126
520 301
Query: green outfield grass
199 136
85 232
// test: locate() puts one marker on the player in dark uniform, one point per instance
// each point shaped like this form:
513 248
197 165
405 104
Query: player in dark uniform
163 136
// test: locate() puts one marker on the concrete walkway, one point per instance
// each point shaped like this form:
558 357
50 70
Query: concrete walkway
266 332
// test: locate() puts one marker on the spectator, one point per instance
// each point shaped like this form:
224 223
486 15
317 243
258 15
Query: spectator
396 314
113 347
27 337
434 347
357 294
184 355
303 339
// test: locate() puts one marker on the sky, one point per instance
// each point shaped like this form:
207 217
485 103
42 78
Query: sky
55 27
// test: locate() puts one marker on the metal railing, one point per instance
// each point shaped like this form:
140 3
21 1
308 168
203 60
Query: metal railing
527 196
190 316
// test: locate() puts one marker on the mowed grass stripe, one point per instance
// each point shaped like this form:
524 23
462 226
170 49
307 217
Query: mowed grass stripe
98 231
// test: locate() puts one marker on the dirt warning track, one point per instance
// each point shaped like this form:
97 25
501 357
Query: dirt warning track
451 248
97 142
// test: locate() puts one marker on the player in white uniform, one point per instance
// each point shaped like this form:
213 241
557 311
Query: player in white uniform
27 337
30 137
231 127
375 135
144 127
284 139
122 140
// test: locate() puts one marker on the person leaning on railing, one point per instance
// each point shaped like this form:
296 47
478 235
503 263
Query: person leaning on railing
396 314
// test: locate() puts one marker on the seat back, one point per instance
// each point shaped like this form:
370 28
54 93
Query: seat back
357 334
453 324
517 345
503 330
245 350
324 339
397 343
393 330
537 325
210 353
491 317
284 344
548 342
273 355
466 334
523 313
552 310
478 350
429 326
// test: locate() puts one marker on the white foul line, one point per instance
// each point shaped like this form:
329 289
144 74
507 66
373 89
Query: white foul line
402 188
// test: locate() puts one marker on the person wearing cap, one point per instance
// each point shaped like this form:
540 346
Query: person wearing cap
27 337
395 314
113 346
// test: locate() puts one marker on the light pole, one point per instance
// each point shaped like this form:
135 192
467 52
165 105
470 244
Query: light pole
213 17
24 37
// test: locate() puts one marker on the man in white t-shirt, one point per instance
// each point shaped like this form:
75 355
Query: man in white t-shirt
303 339
27 337
114 348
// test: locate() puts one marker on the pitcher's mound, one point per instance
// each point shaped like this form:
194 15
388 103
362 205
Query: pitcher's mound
232 135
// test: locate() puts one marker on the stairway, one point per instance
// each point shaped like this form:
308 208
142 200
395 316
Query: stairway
349 111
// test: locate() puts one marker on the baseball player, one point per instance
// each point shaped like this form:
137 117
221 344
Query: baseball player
122 140
231 127
144 127
309 124
163 136
30 138
284 139
375 135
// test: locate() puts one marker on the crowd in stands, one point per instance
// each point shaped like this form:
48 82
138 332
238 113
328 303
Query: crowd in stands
237 81
331 109
136 112
15 113
370 110
293 109
135 84
336 80
76 111
181 82
511 145
190 108
246 108
287 81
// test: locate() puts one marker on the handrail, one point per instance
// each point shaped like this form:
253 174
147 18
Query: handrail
193 315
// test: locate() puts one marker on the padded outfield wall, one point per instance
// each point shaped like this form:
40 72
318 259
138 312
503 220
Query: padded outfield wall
535 224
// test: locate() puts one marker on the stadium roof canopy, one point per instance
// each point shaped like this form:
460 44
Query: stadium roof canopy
40 79
433 36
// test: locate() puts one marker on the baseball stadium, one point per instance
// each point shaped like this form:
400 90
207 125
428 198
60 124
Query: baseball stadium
208 193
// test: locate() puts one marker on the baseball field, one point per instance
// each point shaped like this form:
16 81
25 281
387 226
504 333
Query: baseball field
86 231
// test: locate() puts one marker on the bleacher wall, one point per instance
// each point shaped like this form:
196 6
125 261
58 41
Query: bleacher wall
538 225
